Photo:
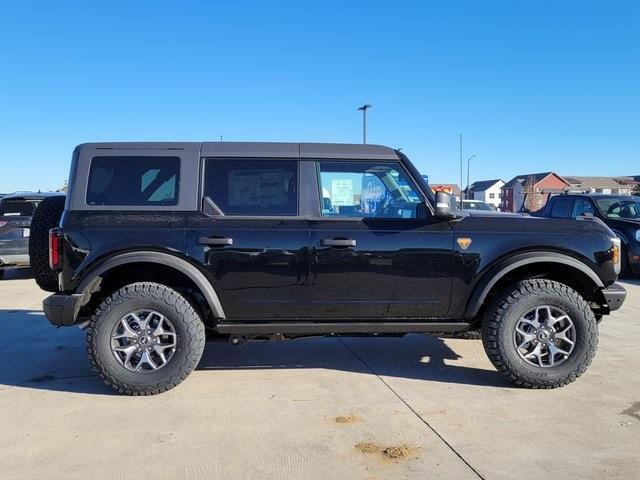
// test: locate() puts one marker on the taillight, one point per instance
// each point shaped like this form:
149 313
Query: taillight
55 249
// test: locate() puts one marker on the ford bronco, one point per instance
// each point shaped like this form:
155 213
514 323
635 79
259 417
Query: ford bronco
160 243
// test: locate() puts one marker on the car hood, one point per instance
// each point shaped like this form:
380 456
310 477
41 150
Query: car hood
522 223
625 221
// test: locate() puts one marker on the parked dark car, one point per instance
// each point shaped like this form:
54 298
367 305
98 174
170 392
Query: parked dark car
270 241
621 213
16 211
476 205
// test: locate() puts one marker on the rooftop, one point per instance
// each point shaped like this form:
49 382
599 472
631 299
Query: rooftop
537 177
259 149
483 185
593 182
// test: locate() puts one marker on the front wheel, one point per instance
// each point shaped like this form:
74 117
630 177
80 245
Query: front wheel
145 339
540 334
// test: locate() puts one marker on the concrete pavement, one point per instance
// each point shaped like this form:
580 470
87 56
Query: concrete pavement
347 408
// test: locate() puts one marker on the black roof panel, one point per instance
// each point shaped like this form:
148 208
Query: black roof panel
260 149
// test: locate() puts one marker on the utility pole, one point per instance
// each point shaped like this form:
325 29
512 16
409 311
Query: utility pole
461 170
468 166
364 109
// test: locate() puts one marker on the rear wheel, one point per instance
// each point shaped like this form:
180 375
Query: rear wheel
1 274
540 334
46 217
145 339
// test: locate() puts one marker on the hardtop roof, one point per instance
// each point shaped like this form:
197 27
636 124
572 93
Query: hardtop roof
259 149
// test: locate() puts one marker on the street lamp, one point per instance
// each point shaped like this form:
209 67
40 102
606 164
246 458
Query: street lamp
364 120
468 166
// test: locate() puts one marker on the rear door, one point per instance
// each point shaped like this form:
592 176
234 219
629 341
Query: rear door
372 256
250 237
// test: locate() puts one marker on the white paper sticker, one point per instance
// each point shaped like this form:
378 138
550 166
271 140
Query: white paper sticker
342 192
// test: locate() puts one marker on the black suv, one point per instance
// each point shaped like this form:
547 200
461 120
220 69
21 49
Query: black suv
160 242
621 213
16 211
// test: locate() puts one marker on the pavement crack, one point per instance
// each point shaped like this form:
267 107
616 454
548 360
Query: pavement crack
368 367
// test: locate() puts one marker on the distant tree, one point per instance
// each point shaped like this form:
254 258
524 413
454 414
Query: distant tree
533 199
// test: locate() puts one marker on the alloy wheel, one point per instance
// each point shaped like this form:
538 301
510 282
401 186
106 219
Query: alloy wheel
544 336
143 341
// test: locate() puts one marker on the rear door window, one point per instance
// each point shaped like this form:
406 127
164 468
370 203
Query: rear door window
253 187
562 208
582 207
132 181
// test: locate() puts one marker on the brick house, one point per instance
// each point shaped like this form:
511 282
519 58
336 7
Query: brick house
513 192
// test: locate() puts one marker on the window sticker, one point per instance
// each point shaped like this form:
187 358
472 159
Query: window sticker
257 187
342 192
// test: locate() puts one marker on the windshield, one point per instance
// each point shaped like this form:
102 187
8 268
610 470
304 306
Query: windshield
619 207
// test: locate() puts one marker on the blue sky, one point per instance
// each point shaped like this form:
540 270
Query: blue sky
533 86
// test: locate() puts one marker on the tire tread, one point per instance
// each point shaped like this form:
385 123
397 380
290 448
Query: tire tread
491 329
194 344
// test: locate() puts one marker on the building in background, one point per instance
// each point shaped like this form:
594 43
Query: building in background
532 187
608 185
489 191
632 182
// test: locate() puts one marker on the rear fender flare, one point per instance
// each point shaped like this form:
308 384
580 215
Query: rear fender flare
496 273
166 259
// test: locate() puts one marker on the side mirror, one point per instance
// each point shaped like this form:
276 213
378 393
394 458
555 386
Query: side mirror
445 205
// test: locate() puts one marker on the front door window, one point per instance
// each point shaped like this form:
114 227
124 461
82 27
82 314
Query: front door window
366 190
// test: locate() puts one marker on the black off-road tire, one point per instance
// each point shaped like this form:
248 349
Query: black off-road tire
500 321
1 274
46 217
189 329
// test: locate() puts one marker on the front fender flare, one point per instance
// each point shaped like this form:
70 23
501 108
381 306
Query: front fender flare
497 272
621 235
166 259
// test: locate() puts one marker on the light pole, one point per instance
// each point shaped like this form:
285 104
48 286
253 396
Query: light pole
364 109
468 166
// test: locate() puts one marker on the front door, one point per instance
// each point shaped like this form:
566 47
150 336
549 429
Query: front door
251 240
372 257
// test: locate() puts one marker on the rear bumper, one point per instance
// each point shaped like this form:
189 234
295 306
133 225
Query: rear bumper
614 295
12 260
61 309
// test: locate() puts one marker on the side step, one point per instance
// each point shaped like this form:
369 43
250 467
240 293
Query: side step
316 328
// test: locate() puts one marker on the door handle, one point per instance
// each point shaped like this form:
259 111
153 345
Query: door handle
338 242
215 241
